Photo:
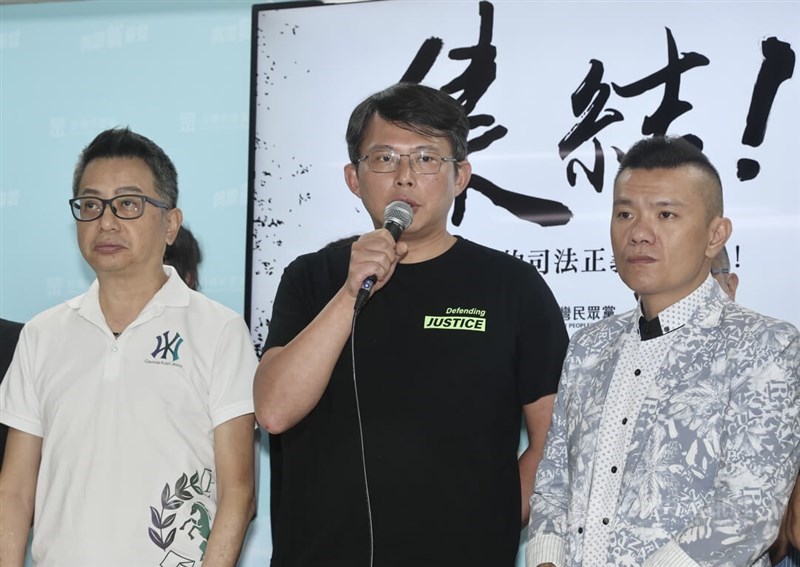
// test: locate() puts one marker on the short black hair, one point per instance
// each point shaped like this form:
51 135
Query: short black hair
672 152
124 143
416 107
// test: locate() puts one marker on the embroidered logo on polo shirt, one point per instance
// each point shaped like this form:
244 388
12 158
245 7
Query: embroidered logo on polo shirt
458 319
167 346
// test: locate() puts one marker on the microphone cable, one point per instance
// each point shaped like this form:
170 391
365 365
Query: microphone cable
397 216
361 437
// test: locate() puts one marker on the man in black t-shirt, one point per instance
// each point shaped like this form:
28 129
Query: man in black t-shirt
398 442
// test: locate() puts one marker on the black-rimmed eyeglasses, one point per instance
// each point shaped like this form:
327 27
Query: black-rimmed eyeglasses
126 207
387 161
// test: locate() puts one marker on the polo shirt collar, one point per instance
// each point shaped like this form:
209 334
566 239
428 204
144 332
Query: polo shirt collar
174 293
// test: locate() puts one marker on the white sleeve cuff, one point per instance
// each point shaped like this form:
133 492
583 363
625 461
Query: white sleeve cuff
231 411
671 555
21 423
545 548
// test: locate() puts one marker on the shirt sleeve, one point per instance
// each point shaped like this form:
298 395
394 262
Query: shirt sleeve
19 400
307 285
231 393
547 527
758 469
286 321
543 340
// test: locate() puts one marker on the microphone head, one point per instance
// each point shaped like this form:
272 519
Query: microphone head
399 213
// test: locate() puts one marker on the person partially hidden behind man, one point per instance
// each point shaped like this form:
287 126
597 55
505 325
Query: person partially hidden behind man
185 255
455 345
721 271
130 406
9 335
675 439
785 552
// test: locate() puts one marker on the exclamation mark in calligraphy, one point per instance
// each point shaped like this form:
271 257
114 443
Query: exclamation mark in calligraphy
777 66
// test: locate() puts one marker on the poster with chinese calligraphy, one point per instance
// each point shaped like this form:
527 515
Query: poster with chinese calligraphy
555 92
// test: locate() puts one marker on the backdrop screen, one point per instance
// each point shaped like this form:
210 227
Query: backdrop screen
554 91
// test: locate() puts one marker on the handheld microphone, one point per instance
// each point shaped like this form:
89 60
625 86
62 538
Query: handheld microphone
397 217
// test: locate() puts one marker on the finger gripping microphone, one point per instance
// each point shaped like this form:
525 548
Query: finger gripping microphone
397 217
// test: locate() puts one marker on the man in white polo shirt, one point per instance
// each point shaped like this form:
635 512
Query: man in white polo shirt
130 406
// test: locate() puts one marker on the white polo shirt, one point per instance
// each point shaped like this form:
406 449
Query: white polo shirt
127 475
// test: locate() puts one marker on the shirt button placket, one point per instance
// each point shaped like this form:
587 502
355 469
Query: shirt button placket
113 363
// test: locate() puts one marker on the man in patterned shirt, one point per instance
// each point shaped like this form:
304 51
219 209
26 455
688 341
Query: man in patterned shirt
675 438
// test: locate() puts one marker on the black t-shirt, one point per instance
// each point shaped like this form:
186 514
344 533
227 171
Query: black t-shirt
446 354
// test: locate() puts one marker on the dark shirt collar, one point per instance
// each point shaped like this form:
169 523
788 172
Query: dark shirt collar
676 315
649 329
